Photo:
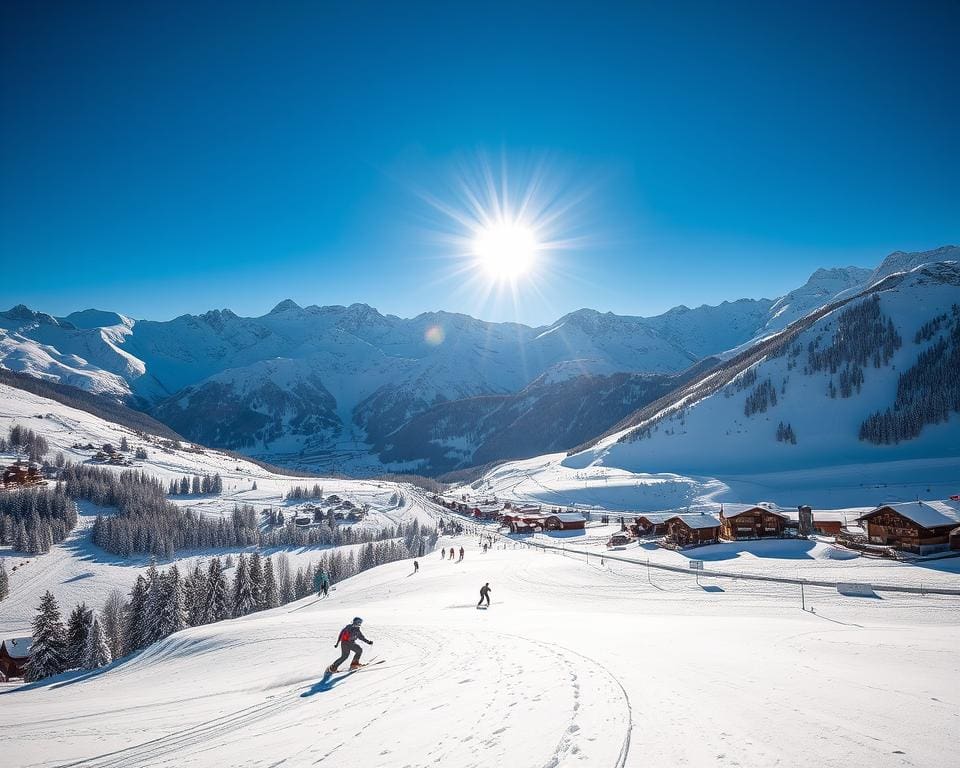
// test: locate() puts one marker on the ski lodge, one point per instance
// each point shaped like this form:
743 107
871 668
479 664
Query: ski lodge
752 521
20 474
14 655
652 523
693 530
565 521
922 527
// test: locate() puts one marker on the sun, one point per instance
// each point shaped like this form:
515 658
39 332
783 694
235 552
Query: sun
506 250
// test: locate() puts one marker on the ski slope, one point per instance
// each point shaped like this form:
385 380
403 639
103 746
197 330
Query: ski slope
574 664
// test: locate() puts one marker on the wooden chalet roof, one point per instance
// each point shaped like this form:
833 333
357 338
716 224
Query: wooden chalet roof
928 514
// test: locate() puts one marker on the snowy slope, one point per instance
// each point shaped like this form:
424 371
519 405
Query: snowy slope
574 664
76 570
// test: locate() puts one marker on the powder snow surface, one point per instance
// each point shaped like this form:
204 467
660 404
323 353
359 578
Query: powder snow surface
574 664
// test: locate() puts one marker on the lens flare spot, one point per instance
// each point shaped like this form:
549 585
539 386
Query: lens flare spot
434 336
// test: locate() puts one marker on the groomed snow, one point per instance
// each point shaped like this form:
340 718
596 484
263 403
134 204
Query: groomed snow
574 664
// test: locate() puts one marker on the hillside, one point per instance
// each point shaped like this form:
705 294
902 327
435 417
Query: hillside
574 663
351 389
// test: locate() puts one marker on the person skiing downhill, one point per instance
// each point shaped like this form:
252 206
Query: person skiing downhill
451 554
347 640
416 566
443 553
461 554
321 583
484 595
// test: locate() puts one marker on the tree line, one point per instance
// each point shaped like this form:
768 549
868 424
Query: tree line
32 520
196 485
162 602
24 440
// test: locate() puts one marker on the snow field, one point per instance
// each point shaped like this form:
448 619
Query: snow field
574 664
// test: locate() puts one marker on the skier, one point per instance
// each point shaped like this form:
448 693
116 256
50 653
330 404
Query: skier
484 595
461 554
321 583
451 554
347 640
416 566
443 553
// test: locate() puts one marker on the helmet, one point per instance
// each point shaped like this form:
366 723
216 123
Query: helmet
357 620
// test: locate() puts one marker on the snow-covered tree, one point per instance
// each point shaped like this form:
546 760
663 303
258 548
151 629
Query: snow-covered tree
48 655
4 581
97 653
78 626
136 633
217 598
243 600
195 595
271 594
124 445
256 580
172 616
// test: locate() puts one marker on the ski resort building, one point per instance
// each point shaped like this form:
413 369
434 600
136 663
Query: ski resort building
14 655
565 521
652 523
922 527
752 521
21 474
693 530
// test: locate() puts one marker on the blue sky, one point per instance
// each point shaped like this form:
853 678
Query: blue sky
157 161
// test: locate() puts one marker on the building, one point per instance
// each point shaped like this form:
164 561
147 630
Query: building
693 530
565 521
14 655
21 474
752 521
922 527
652 523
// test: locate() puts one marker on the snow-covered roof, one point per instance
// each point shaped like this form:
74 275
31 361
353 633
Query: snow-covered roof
701 520
732 510
929 514
569 517
657 517
18 647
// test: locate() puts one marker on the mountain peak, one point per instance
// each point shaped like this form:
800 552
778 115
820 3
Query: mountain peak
284 306
903 261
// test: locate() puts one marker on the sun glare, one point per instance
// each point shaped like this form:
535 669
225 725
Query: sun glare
506 249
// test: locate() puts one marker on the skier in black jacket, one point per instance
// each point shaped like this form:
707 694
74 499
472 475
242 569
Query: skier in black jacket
484 595
347 640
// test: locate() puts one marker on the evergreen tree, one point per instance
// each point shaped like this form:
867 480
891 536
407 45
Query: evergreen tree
217 599
243 600
271 594
152 608
97 653
172 615
124 445
195 592
48 654
136 632
4 581
78 626
256 580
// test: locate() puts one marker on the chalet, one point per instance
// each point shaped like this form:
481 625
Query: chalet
752 521
565 521
922 527
14 655
20 473
523 523
486 511
693 530
652 523
955 539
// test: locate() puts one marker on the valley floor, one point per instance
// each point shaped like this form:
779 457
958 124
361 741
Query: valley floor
574 664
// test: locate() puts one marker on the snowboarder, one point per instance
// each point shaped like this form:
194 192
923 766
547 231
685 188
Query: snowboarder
321 583
484 595
416 566
347 640
461 554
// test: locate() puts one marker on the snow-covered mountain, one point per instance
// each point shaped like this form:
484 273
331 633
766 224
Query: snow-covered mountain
348 387
871 378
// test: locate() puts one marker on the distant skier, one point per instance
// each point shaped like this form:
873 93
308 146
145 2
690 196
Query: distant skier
416 566
461 554
347 640
443 553
451 554
321 583
484 595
